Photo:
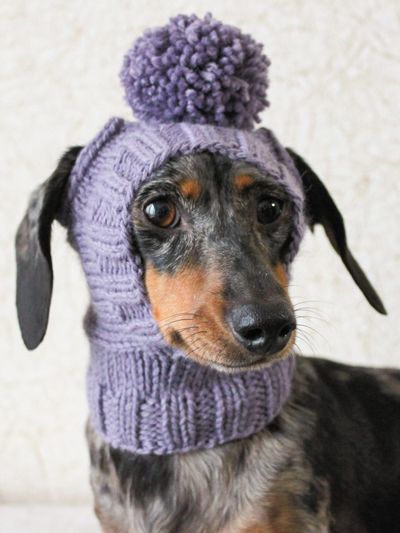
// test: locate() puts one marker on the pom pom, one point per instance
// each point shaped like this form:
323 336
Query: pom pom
196 70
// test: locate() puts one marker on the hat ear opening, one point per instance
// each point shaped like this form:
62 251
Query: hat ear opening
33 254
321 209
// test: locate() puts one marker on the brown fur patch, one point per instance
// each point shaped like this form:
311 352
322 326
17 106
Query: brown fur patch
283 516
172 295
243 181
188 307
190 188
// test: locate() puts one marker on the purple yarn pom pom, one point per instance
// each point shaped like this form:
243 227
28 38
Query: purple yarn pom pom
196 70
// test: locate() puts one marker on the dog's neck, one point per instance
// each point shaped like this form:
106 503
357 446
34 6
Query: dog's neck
150 398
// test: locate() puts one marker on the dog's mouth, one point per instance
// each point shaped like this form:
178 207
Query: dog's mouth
221 353
231 333
257 364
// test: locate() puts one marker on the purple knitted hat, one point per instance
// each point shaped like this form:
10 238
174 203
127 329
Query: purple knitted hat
196 85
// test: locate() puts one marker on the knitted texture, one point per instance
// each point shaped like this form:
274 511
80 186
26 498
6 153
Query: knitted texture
145 396
196 70
188 80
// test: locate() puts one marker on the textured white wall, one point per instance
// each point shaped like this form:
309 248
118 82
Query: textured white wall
334 95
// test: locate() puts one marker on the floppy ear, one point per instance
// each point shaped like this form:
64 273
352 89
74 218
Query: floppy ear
321 209
32 243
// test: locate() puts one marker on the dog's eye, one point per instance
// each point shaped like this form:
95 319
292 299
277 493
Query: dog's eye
269 209
162 212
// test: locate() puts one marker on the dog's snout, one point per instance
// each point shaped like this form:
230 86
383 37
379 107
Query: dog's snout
262 328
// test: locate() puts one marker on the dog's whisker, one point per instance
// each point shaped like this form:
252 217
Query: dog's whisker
313 330
310 310
298 349
312 318
306 301
195 333
169 323
313 313
204 347
194 348
184 315
198 319
302 336
305 305
180 331
163 323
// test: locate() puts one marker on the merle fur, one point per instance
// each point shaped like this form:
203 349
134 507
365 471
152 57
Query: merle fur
331 458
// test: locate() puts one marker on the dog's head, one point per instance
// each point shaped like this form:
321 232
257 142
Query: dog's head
212 233
212 208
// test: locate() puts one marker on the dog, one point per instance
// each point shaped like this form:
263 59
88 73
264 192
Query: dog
330 461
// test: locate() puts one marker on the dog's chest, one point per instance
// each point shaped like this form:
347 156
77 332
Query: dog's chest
250 486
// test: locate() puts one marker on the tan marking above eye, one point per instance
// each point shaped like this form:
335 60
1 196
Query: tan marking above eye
190 188
243 181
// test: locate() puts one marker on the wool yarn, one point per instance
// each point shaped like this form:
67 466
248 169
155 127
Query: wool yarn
196 70
144 395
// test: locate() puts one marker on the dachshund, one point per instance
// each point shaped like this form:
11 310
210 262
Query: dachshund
330 461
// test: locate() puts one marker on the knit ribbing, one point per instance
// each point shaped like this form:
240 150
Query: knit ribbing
159 404
145 396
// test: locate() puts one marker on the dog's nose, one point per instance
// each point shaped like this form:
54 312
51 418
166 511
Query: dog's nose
262 328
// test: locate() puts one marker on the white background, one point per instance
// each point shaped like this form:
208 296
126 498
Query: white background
334 98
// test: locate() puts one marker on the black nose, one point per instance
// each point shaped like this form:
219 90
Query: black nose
262 328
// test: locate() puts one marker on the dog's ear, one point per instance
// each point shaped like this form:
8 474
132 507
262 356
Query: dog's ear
321 209
34 266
